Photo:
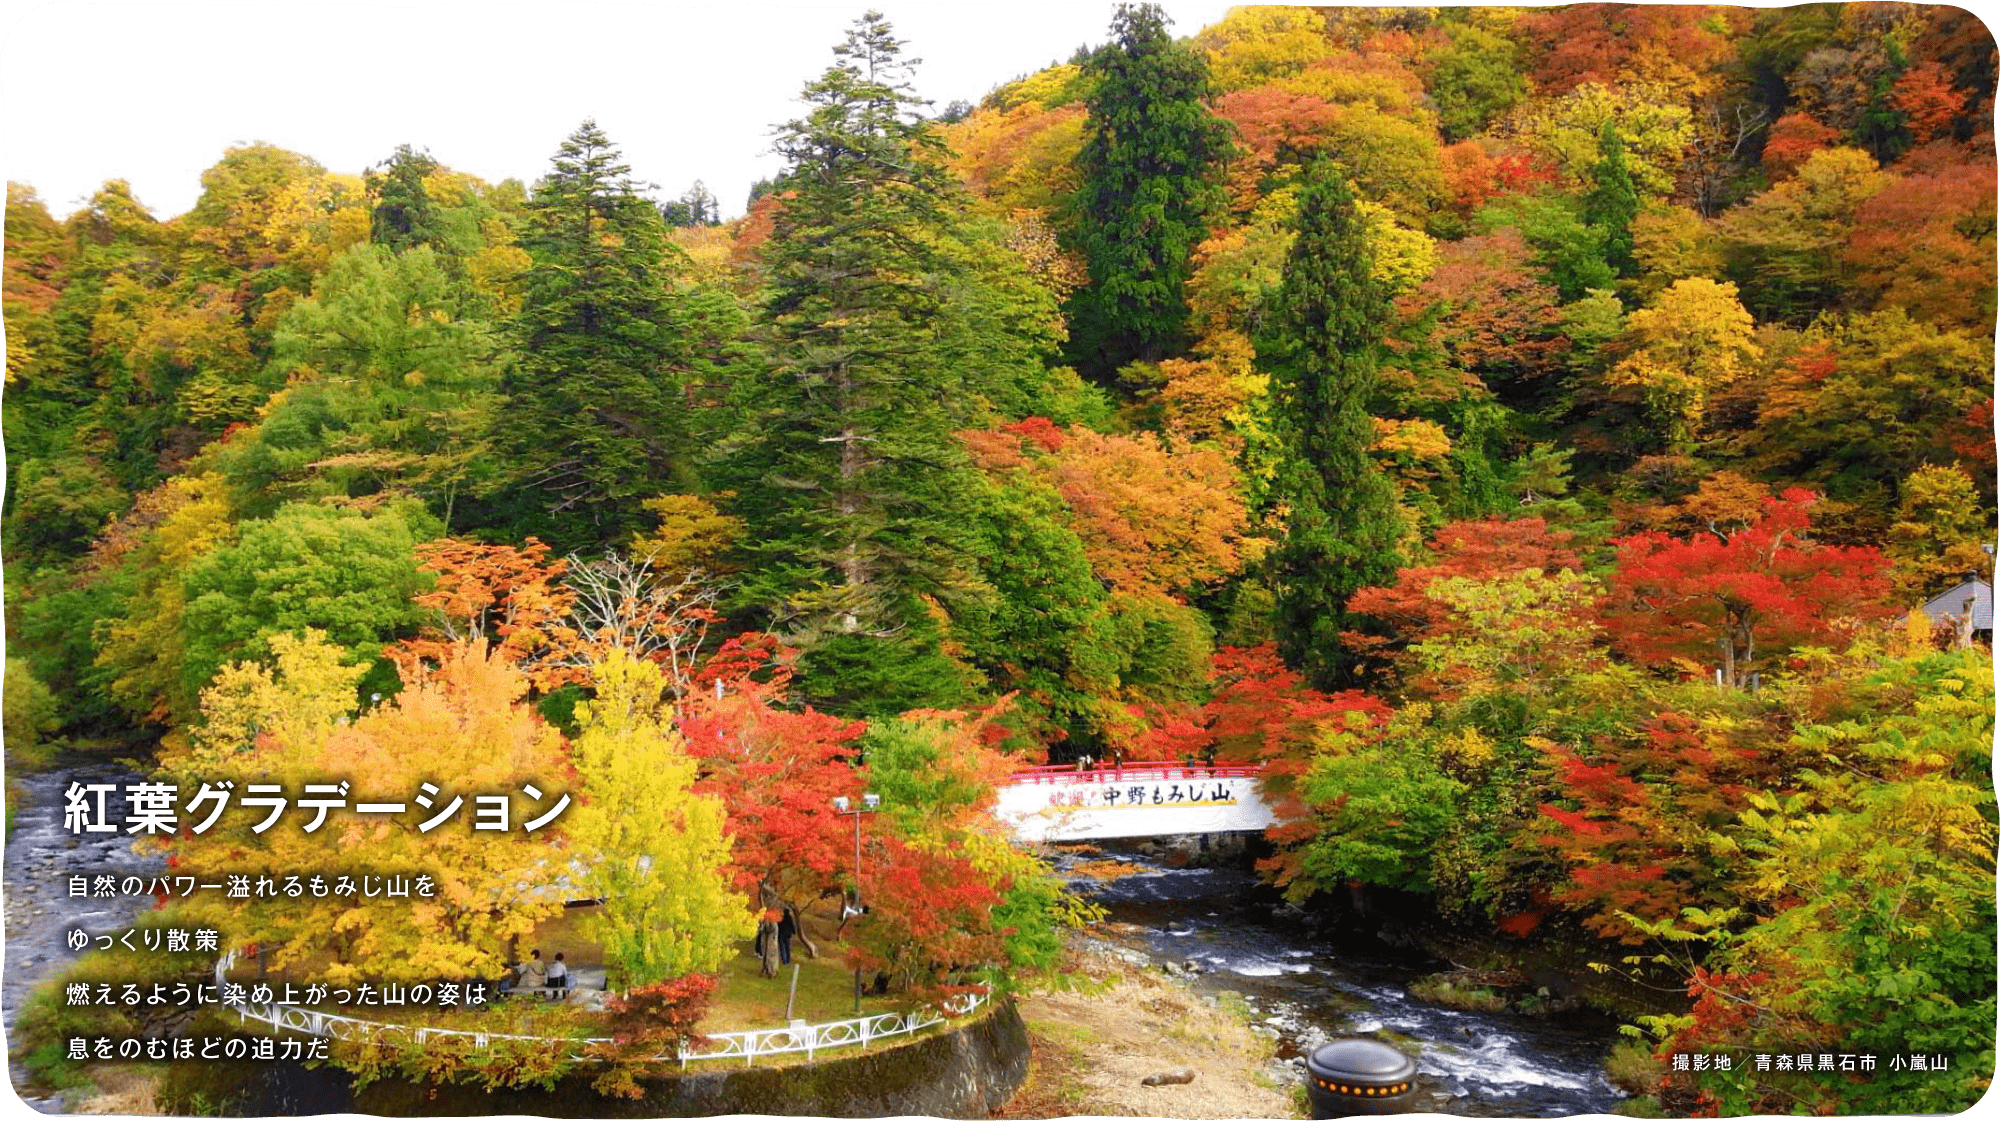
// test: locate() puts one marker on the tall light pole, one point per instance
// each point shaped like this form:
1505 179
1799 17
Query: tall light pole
869 804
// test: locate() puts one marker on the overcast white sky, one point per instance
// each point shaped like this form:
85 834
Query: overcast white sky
154 92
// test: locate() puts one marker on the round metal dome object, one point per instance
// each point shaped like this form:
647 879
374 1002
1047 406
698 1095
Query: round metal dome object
1359 1076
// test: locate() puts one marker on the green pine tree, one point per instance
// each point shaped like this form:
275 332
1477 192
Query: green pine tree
1613 201
595 418
695 207
851 480
1320 346
401 213
1151 164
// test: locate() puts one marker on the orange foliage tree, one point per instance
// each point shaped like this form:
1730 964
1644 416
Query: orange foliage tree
1925 241
1155 517
559 618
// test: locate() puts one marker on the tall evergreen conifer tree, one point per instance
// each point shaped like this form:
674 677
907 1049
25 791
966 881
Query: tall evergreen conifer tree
851 479
1320 345
594 416
1613 200
401 213
1151 162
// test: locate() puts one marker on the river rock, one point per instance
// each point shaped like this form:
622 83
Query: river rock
1285 1073
1168 1078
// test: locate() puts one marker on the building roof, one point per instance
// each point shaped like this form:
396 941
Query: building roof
1952 602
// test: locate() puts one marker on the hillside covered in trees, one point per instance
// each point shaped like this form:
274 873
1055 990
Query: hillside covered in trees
1532 432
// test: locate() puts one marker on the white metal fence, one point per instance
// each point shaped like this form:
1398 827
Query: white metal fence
806 1039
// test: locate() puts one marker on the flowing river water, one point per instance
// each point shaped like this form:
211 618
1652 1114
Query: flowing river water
1309 983
1305 982
41 857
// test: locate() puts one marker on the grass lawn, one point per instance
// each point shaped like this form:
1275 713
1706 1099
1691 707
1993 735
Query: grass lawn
744 999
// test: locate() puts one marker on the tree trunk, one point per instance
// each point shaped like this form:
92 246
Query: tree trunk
852 573
769 900
767 947
767 931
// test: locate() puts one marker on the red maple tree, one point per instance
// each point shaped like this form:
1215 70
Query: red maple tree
1638 839
777 773
1263 712
1732 596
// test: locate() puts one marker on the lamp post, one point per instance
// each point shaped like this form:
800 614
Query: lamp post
869 804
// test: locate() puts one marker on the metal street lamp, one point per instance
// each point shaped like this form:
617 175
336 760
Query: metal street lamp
869 804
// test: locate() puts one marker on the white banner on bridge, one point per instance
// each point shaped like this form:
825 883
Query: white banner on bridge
1143 801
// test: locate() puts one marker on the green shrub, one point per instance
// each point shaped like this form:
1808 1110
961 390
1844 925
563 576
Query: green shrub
1633 1068
30 715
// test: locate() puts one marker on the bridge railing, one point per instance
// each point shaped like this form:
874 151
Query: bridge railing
1159 771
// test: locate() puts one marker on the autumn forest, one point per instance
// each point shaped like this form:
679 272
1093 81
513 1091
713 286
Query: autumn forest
1534 434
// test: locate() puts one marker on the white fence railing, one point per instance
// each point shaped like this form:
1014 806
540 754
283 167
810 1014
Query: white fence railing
806 1039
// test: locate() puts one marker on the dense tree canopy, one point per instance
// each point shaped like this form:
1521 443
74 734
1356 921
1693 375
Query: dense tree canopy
1150 164
593 409
1529 433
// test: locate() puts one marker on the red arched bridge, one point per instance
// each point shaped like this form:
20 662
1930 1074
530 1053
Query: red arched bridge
1133 800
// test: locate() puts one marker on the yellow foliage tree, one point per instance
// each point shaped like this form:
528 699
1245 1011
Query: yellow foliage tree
1257 43
497 268
653 850
1695 340
1673 243
143 648
466 731
315 219
1654 121
1939 529
1373 79
692 534
246 700
1022 158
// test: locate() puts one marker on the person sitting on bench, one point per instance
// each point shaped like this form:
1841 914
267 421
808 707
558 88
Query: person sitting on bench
558 977
535 972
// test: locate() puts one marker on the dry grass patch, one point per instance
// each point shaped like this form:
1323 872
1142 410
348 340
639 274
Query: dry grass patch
123 1091
1093 1049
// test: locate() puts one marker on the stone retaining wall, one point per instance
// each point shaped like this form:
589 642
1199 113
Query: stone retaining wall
967 1071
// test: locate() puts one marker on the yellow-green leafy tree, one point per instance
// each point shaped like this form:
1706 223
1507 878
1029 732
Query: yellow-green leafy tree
1939 529
1257 43
142 650
649 846
1695 340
